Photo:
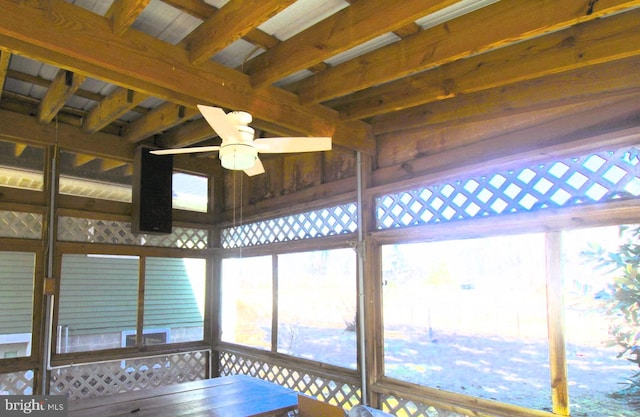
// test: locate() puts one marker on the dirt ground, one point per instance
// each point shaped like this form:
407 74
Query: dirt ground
514 372
503 370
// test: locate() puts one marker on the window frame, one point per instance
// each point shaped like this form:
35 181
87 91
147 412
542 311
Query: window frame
343 241
139 350
551 222
23 245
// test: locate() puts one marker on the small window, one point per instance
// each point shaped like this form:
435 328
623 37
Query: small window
96 177
190 192
149 337
21 166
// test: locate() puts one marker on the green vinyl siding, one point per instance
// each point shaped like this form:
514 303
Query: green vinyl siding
98 294
174 293
16 294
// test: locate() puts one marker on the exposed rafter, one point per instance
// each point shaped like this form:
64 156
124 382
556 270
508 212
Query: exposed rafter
360 22
150 66
62 87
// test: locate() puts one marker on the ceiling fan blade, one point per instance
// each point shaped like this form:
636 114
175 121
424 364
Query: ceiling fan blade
220 123
288 145
185 150
256 169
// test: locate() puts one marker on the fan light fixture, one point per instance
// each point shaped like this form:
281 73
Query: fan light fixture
238 156
242 154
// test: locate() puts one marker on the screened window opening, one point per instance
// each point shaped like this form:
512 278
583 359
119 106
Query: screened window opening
98 300
247 301
600 376
17 271
469 316
174 300
108 179
190 192
86 175
21 166
100 310
317 306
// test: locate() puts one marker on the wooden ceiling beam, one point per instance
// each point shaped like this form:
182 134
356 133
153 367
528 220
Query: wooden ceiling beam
5 57
65 35
80 159
109 164
510 21
109 109
61 88
23 128
186 134
19 148
124 12
203 11
17 127
163 117
230 23
609 78
351 26
615 125
402 146
593 42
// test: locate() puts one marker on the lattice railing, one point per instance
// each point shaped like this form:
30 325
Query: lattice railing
318 223
106 378
16 383
400 407
341 393
20 225
592 178
75 229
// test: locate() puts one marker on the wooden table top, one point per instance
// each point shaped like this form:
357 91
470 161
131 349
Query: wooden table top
229 396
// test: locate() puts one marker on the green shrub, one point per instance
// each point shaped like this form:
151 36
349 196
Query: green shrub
622 302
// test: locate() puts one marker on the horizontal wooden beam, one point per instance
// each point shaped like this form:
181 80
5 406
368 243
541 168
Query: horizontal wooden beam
232 22
510 21
163 117
613 125
5 57
204 11
567 87
61 34
593 42
124 12
355 24
109 109
61 88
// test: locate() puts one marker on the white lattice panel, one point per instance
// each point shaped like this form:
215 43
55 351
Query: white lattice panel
401 407
343 394
20 225
74 229
16 383
318 223
588 179
106 378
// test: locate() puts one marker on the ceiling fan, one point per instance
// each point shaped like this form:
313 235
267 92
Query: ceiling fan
239 150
